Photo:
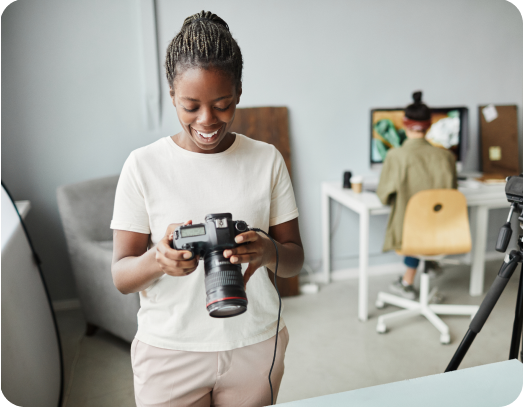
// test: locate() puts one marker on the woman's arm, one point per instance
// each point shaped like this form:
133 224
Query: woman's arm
259 250
135 268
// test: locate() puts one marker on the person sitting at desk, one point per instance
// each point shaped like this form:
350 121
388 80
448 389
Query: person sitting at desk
413 167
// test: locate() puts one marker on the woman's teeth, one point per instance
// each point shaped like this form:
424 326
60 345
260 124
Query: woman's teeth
206 135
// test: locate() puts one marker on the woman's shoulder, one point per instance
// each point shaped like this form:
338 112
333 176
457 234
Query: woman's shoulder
249 142
154 147
252 146
157 147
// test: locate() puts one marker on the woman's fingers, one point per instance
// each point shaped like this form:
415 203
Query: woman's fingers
178 268
248 248
244 258
175 262
249 236
242 254
177 255
250 242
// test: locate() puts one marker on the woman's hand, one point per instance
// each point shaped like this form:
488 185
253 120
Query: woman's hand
171 261
257 250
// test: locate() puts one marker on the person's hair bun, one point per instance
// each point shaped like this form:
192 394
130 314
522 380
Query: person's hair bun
205 16
417 97
418 110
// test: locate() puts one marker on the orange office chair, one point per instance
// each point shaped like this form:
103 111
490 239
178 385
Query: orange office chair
435 225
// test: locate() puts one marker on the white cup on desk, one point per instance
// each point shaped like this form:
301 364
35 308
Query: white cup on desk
356 182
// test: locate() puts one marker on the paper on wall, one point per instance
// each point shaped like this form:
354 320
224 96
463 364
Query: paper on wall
494 153
490 113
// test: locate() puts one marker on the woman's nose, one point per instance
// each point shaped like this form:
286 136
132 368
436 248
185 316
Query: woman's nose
206 117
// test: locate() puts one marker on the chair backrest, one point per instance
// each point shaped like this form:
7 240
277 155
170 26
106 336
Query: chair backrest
436 222
86 208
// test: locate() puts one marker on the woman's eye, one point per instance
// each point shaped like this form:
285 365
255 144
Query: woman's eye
222 109
190 110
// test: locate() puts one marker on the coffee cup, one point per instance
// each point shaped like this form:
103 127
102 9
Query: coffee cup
357 183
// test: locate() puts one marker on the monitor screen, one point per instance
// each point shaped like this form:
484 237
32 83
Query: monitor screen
448 131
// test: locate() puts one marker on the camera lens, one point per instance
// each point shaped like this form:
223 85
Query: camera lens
224 286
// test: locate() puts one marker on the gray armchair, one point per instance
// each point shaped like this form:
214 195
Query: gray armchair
86 210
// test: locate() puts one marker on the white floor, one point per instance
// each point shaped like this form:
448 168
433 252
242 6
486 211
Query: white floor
329 351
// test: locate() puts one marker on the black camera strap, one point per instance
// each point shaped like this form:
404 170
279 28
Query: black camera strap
279 309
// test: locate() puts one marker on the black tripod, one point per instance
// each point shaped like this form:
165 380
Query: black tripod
507 269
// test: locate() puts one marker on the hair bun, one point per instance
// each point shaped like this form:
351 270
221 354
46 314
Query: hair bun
205 16
417 97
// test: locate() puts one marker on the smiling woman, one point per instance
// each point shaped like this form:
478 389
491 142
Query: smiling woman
180 355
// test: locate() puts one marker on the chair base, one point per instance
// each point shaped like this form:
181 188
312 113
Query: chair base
429 311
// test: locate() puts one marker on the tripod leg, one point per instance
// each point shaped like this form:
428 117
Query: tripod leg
516 330
495 291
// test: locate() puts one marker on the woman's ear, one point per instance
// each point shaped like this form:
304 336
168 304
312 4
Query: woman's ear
171 93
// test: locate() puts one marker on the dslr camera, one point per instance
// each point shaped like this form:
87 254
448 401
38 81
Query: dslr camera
224 287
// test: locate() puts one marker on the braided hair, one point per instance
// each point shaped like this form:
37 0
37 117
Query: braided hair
204 41
418 110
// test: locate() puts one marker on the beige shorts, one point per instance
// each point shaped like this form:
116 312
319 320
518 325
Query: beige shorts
238 377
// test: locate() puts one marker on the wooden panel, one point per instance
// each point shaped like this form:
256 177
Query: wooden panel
499 142
271 125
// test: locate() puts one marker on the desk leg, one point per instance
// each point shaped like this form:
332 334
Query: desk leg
326 243
480 219
363 290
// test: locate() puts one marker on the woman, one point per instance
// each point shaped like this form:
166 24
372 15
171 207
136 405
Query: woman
181 356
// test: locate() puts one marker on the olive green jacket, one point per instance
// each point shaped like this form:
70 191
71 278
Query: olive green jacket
413 167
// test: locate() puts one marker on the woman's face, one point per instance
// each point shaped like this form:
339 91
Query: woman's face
205 101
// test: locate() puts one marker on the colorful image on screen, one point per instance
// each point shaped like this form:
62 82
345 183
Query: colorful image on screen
388 130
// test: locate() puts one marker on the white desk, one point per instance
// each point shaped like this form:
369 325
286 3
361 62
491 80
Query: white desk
366 204
493 385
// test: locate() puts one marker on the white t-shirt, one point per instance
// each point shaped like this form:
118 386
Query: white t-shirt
163 183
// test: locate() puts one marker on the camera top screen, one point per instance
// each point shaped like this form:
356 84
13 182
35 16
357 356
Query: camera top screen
192 231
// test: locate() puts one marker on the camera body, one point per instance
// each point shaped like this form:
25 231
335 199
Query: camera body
514 193
224 286
217 233
514 189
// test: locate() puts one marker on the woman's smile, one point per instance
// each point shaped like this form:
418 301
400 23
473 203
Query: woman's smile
207 136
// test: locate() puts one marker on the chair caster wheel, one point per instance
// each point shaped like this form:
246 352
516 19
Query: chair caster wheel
381 328
444 339
380 304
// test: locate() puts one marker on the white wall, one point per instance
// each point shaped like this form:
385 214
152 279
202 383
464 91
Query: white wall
71 107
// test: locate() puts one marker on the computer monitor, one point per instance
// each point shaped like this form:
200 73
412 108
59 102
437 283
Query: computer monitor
449 130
